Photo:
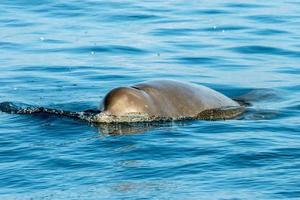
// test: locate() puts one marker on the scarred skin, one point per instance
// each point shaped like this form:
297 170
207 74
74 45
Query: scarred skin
168 99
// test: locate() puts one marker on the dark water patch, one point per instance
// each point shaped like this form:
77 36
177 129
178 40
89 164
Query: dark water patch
251 142
106 68
211 12
174 32
54 41
291 151
95 77
96 49
164 10
289 70
294 2
114 6
43 68
266 50
76 71
76 105
289 194
190 45
57 10
233 67
134 17
258 159
20 24
27 78
269 32
197 60
167 152
169 21
268 19
21 3
63 13
13 154
293 88
10 45
66 163
181 169
245 5
295 106
105 76
67 6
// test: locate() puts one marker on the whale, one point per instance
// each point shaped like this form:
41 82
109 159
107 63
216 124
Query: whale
155 100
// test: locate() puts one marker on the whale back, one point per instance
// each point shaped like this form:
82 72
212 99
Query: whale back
177 99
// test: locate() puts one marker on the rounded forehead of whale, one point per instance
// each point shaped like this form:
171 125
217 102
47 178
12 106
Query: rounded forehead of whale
125 98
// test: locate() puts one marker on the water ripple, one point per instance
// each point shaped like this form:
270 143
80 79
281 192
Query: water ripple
133 17
268 19
266 32
197 60
245 5
96 49
256 49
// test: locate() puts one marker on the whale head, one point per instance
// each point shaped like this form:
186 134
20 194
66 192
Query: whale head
123 101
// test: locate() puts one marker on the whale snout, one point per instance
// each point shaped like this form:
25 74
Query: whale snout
125 100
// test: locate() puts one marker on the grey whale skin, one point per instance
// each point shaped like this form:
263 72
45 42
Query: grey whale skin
167 100
157 100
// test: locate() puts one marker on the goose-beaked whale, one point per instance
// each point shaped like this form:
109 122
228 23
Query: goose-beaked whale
158 100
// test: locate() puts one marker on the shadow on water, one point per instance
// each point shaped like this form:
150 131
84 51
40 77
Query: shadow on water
255 101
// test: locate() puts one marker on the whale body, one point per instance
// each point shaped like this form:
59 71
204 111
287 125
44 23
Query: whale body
157 100
166 100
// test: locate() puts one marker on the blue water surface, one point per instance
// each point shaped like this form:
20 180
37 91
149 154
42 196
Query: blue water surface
68 54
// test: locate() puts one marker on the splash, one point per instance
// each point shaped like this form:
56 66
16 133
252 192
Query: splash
14 108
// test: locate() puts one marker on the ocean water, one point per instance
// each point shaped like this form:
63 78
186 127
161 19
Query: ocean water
69 54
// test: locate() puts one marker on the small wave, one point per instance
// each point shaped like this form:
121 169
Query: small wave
245 5
265 32
259 159
174 31
134 17
288 70
10 45
269 19
96 49
197 60
257 49
17 23
211 12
